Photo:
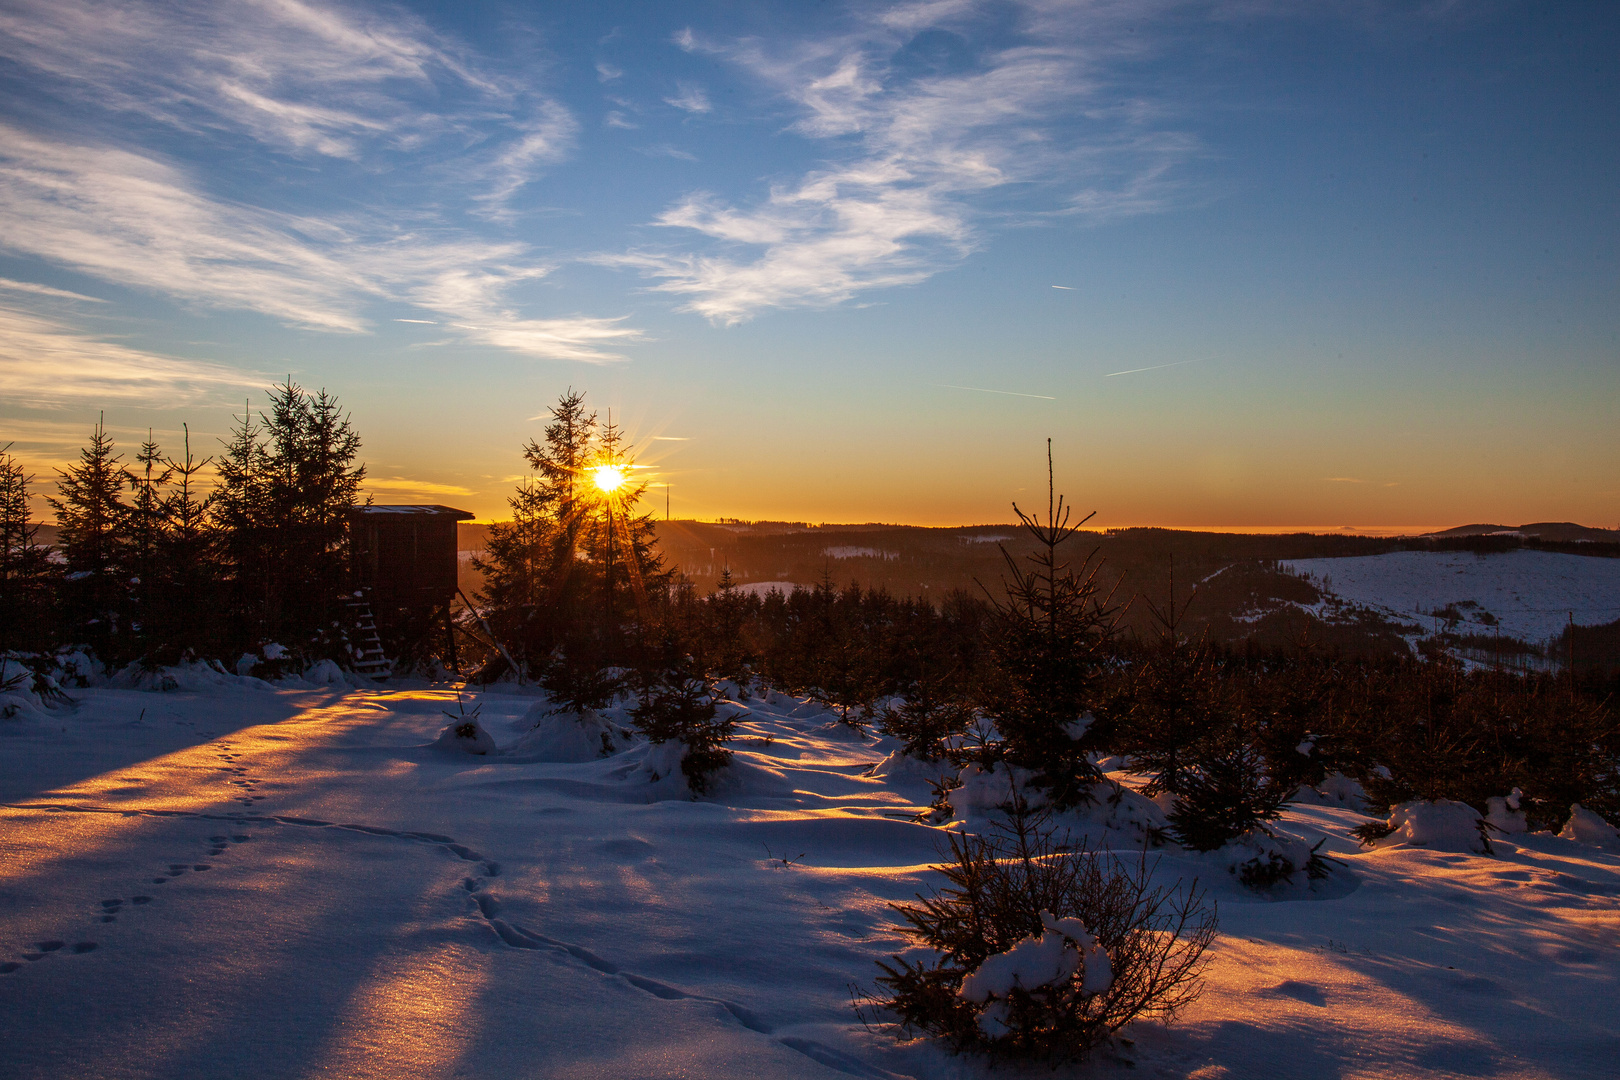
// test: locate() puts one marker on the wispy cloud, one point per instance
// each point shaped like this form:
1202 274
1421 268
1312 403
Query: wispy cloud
547 138
913 152
666 150
137 221
691 99
8 285
45 363
406 486
320 78
331 80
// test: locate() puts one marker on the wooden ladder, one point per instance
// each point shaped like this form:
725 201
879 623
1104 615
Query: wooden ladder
365 645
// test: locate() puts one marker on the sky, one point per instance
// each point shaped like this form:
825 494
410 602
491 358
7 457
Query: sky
1249 265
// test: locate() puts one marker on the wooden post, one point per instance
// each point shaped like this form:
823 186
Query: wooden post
450 637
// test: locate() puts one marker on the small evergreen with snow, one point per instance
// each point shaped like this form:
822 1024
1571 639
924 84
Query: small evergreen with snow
1042 949
679 706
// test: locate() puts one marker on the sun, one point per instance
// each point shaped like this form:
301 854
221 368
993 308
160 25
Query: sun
608 477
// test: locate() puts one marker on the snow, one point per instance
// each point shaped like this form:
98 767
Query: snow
549 735
466 737
1053 956
851 551
1441 825
1585 827
1503 813
290 880
1530 593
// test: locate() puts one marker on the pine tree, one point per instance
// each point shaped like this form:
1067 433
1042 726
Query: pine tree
26 621
239 516
621 545
1049 641
1227 790
1173 699
575 559
725 647
287 483
146 525
92 521
186 608
680 704
533 581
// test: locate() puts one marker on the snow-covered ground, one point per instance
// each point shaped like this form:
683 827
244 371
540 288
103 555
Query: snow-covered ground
241 881
1529 593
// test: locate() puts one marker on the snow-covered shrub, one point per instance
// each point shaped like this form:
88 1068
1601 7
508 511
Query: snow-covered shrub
1585 827
1334 789
326 673
272 661
680 706
465 733
1503 813
1438 824
565 737
1043 949
1264 858
984 792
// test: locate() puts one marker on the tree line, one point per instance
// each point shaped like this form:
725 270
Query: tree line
170 556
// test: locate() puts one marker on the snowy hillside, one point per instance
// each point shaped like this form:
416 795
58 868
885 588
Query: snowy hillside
244 881
1521 594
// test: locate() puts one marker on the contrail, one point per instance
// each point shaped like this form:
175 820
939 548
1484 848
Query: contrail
1161 367
1065 288
982 390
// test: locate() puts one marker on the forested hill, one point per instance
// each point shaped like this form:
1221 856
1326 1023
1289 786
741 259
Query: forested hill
1251 599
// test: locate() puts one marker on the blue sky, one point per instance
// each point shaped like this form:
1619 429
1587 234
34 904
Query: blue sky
1250 265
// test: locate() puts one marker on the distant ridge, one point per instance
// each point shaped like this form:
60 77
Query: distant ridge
1556 531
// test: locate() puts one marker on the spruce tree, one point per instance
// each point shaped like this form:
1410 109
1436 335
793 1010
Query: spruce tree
1174 699
725 647
1227 790
26 616
621 544
186 601
1050 640
240 519
146 527
533 581
679 703
287 483
575 560
93 521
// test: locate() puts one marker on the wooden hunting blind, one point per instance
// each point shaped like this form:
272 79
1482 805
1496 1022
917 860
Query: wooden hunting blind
406 555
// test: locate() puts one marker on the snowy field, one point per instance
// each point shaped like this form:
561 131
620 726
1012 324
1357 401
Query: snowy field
255 882
1530 593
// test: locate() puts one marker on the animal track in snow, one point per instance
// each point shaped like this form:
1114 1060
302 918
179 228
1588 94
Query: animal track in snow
487 906
248 784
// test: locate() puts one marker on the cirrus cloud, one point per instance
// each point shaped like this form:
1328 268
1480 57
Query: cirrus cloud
914 148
